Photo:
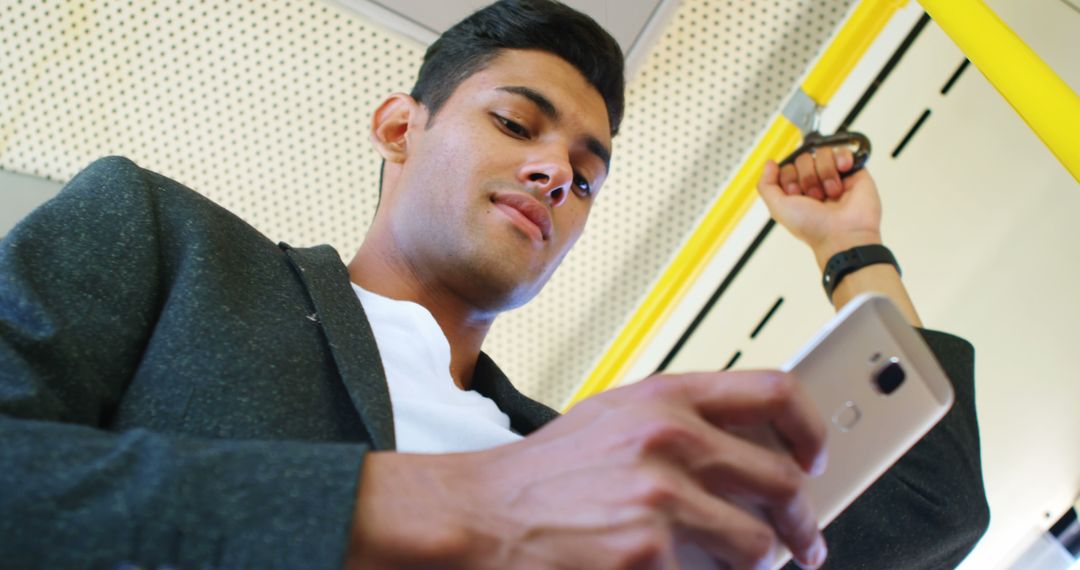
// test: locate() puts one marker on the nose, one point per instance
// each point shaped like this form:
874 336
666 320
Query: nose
549 177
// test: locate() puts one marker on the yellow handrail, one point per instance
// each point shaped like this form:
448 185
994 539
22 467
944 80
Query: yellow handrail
1037 94
781 138
851 42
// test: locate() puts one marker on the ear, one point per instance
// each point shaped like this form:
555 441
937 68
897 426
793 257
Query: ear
390 126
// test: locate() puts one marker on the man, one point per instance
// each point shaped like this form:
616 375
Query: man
179 391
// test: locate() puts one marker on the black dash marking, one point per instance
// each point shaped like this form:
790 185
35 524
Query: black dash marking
769 225
885 72
1067 525
956 75
734 359
766 318
911 133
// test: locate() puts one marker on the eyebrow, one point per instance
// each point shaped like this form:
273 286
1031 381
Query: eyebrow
551 112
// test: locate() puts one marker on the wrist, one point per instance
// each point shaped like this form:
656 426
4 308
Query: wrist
853 260
824 250
404 515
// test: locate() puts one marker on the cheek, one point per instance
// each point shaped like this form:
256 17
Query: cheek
438 176
574 225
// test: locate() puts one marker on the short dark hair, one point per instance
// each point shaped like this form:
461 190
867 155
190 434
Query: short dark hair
545 25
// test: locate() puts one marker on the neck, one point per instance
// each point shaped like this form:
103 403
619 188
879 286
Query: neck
382 272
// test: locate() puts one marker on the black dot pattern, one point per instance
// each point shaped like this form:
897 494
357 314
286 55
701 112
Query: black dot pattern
261 106
264 106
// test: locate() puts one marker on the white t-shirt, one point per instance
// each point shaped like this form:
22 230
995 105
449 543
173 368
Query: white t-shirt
431 414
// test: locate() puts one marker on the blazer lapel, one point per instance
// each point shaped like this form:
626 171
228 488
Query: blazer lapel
526 415
349 336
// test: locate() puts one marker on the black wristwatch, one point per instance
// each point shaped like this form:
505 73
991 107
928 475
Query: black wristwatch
854 259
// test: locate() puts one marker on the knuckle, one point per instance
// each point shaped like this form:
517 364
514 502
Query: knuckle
659 388
656 492
646 551
663 433
788 479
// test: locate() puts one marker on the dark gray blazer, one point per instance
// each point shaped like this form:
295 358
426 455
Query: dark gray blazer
176 389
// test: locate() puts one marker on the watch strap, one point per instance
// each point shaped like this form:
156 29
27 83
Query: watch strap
851 260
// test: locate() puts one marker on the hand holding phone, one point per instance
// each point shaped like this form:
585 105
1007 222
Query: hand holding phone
879 389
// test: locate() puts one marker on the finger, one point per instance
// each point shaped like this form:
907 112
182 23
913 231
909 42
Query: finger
789 180
796 525
769 187
736 460
809 183
727 532
825 162
740 468
860 178
770 174
726 465
756 397
769 184
845 159
793 521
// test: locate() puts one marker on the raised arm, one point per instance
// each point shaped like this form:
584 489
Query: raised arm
831 215
929 509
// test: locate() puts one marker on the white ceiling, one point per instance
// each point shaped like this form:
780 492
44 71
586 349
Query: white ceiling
635 24
624 19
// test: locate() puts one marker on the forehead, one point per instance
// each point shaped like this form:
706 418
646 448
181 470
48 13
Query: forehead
559 81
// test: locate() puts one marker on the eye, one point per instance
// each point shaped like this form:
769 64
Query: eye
582 186
514 128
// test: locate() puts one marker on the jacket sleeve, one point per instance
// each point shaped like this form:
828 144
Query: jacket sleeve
81 285
929 509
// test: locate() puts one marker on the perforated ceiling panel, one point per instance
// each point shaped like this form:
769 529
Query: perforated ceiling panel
264 107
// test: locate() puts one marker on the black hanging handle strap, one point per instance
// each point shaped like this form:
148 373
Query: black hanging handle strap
857 142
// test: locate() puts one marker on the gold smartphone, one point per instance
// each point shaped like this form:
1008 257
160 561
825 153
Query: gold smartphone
879 388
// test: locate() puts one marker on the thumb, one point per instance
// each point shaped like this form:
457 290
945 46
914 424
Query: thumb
799 214
769 188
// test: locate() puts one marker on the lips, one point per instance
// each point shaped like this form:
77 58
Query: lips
526 211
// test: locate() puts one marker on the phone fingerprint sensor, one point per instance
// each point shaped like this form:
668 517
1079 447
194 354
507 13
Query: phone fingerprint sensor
847 416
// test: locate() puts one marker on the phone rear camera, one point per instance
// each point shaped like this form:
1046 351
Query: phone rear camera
890 377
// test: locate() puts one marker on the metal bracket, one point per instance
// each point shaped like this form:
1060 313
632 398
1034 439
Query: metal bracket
803 112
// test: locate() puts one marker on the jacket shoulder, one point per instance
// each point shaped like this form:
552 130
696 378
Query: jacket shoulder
118 185
117 175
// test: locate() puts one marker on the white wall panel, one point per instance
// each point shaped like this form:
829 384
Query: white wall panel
983 221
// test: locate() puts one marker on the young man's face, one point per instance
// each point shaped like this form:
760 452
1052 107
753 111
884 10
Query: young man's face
495 191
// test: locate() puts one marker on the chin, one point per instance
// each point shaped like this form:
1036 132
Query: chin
498 279
502 290
500 297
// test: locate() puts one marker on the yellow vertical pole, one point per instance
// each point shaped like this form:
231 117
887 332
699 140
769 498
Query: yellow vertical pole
1038 95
